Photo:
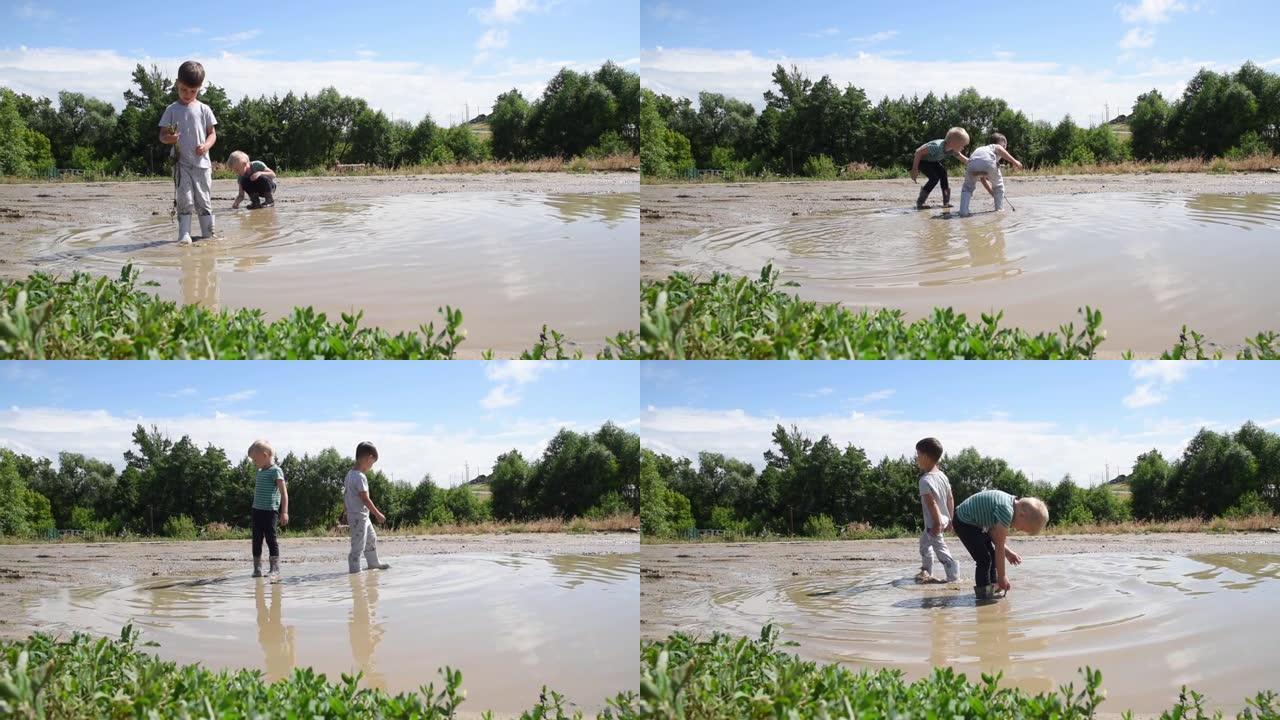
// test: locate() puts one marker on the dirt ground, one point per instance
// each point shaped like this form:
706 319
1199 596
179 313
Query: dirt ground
26 208
33 570
669 573
672 213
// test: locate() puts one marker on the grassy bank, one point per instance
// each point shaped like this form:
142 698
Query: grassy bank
861 531
1268 163
99 318
727 677
220 531
740 318
609 163
91 678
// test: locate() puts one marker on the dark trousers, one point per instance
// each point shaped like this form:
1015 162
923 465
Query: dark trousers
264 525
978 542
262 187
936 174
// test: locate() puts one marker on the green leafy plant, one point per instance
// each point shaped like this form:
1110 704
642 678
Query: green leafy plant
181 527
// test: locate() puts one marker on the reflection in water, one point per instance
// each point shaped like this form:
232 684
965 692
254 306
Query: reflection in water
1151 262
510 623
512 262
276 638
1151 624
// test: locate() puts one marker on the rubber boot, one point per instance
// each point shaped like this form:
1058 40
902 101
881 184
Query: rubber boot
206 226
268 200
257 567
184 229
946 197
371 558
965 195
924 195
275 566
353 567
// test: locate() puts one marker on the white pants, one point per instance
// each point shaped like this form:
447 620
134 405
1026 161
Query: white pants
191 189
363 540
937 544
975 169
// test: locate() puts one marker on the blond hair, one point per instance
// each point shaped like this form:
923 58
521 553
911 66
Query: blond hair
1035 511
958 132
262 446
237 157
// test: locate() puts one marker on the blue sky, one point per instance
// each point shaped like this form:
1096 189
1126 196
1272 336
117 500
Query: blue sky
1035 55
424 417
407 58
1046 418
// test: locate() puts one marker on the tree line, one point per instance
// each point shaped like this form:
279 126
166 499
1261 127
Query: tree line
578 474
577 114
811 127
1231 474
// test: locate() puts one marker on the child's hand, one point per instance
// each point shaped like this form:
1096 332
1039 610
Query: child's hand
379 518
1012 556
915 172
201 150
284 519
1017 164
935 531
255 176
1003 584
235 205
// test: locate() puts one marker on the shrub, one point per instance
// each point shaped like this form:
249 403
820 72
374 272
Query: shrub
820 167
820 526
181 527
1250 145
609 143
1248 505
609 505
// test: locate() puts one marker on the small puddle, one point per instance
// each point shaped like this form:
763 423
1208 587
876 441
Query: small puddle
510 623
1150 624
1151 262
510 262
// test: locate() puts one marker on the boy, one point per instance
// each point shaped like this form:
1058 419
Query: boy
188 125
256 179
939 507
985 164
930 157
356 497
270 499
982 522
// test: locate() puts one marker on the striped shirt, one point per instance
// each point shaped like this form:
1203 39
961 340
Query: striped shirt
987 509
936 151
266 496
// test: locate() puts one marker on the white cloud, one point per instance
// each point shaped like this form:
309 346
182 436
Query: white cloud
403 90
235 397
407 450
825 32
1151 11
507 11
237 37
30 11
1145 395
182 392
492 39
876 396
876 37
1045 90
499 397
1164 371
820 392
666 12
1044 450
518 371
1138 38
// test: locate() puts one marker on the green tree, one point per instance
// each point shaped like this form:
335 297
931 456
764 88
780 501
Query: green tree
508 122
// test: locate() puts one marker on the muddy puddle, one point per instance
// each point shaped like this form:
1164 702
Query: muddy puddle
510 623
511 262
1151 262
1150 623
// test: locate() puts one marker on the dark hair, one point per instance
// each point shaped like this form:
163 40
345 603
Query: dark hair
191 74
998 139
930 448
365 449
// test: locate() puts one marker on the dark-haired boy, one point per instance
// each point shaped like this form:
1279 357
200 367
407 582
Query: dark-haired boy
189 125
359 505
939 508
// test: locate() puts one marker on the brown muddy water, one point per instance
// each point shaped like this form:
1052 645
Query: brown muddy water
510 622
1151 262
1150 623
510 261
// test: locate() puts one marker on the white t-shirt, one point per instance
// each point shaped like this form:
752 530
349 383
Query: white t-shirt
935 483
194 122
355 484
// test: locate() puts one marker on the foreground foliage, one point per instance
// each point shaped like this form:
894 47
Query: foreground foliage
88 317
728 317
727 677
86 677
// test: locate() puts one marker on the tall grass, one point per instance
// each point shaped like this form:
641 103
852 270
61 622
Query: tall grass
741 678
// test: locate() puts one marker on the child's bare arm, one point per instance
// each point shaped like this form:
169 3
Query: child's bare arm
931 503
999 535
267 171
284 501
961 157
368 502
915 161
210 138
167 136
986 183
239 199
1005 155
